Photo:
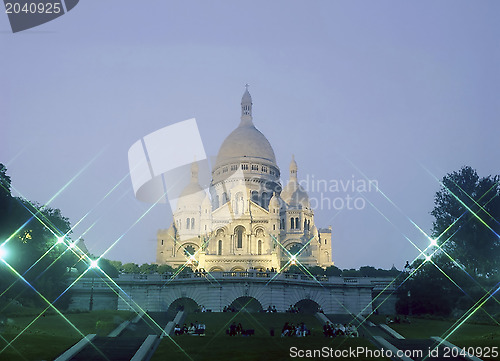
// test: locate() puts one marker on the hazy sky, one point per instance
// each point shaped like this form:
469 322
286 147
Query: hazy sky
398 92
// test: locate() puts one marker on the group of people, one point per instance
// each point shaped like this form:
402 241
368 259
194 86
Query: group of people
293 309
271 309
200 272
299 330
397 319
334 330
196 328
229 309
238 330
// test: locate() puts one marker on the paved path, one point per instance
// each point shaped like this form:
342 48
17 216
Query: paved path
124 346
418 349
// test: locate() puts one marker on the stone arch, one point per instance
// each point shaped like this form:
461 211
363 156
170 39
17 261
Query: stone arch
237 269
183 304
216 269
299 294
239 235
294 247
259 230
247 303
184 245
307 306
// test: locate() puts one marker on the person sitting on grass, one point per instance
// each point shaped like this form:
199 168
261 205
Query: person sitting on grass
184 330
201 329
239 329
327 329
191 329
285 330
352 331
232 329
177 330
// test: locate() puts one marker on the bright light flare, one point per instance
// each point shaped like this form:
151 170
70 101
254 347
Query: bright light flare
94 263
293 260
60 239
428 258
3 252
434 242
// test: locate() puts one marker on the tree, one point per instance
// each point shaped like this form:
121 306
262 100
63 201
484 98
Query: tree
117 265
333 271
351 273
466 225
131 268
316 271
164 268
148 268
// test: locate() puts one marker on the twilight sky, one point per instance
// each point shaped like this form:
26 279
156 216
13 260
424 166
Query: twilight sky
397 92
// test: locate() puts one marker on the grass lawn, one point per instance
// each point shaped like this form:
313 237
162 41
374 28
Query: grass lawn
467 335
49 335
261 348
216 345
218 323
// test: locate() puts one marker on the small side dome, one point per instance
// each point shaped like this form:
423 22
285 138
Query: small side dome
274 202
193 195
314 231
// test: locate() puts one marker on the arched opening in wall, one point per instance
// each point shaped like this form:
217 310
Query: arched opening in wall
246 303
259 247
224 198
189 251
265 200
296 249
255 197
238 232
237 269
307 306
216 269
183 304
219 248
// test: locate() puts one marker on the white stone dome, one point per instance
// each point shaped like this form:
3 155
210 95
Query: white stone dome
192 195
294 195
246 141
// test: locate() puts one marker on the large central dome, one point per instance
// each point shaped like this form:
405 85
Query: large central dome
246 141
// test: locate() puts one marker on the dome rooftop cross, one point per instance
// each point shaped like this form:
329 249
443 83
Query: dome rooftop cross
246 105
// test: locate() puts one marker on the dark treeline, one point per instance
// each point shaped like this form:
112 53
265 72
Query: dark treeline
33 266
461 267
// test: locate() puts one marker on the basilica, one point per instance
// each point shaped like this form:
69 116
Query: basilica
246 220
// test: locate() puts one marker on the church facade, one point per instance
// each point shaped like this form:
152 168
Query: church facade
246 220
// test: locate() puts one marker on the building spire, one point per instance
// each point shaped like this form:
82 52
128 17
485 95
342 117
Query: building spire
293 169
246 105
194 172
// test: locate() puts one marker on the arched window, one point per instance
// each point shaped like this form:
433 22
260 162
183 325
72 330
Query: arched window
255 197
309 224
224 198
297 224
239 237
192 223
265 200
187 223
292 223
216 202
305 224
189 251
162 242
219 250
259 247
